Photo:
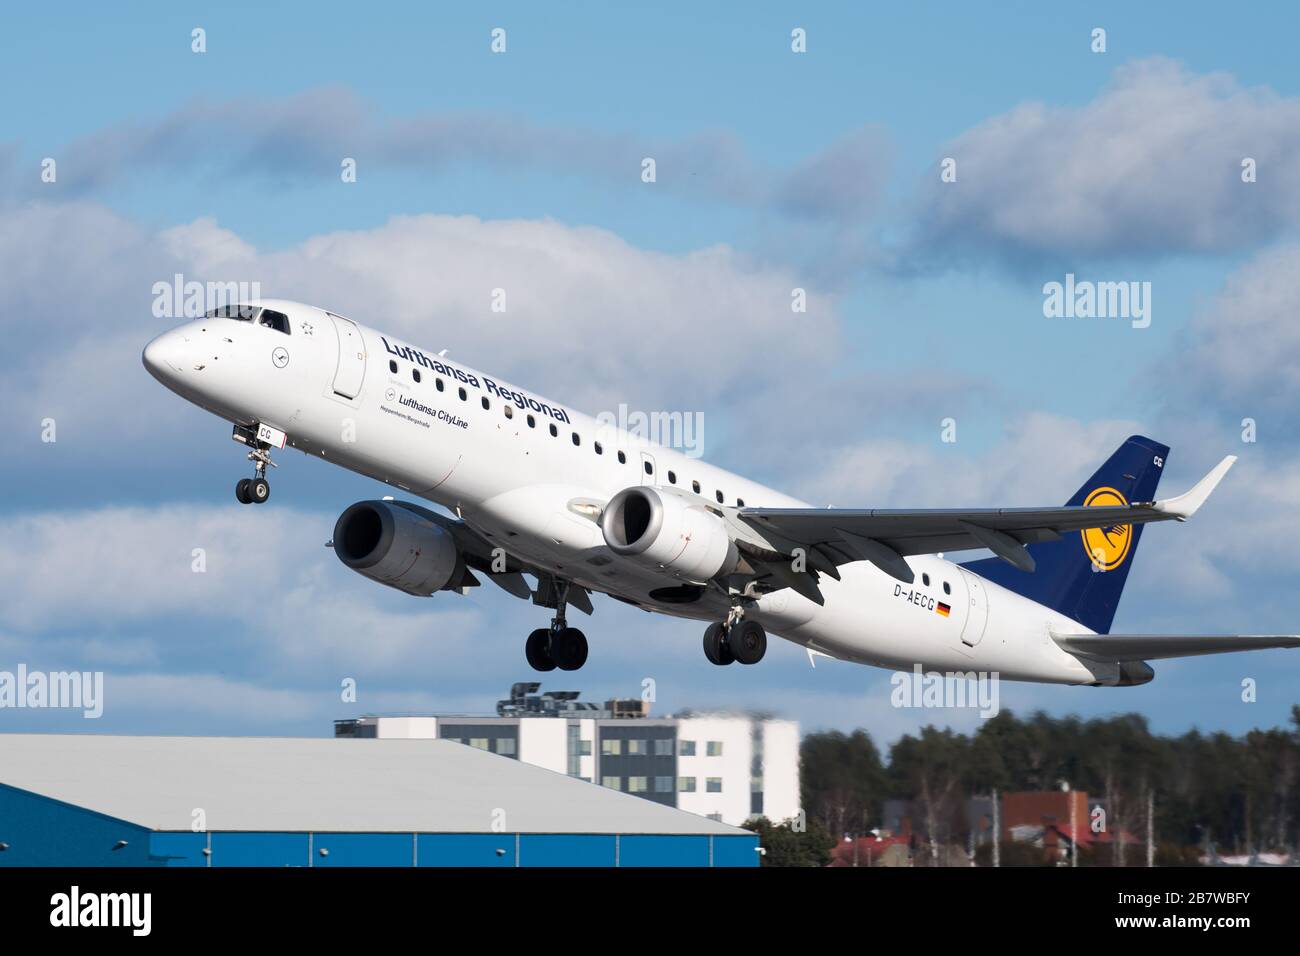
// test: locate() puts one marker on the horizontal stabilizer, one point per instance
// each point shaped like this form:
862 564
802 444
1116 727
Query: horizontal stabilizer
1145 647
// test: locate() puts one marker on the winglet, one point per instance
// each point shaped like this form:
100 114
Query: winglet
1186 505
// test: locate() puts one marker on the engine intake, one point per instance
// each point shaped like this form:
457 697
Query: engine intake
664 531
393 545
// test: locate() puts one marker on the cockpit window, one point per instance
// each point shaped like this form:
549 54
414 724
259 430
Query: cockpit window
241 313
275 320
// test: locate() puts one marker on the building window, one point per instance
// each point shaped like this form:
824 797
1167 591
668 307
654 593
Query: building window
415 374
685 784
614 783
479 743
636 748
584 748
686 748
713 784
637 784
713 748
663 784
506 746
392 366
663 747
611 747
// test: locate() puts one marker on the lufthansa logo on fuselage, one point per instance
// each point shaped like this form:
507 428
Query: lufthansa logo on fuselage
1106 547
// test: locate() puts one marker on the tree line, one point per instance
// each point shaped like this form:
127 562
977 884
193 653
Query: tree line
1238 795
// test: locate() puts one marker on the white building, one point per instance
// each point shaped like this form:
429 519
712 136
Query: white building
726 767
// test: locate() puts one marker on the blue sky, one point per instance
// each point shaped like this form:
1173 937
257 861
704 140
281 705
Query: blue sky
775 170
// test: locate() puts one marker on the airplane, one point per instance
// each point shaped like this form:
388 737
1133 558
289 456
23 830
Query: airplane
585 508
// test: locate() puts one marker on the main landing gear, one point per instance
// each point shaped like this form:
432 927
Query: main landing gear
257 489
735 639
559 645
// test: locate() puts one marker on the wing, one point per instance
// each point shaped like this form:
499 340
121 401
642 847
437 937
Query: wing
481 555
1117 648
884 537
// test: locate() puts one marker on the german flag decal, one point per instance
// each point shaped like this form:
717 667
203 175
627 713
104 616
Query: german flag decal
942 609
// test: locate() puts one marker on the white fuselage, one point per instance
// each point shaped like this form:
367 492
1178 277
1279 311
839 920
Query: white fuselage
328 384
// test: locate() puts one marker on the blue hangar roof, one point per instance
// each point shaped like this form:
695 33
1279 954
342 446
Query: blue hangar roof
263 784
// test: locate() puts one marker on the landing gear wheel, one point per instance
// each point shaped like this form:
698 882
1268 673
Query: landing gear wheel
259 489
715 645
241 491
569 648
538 650
747 641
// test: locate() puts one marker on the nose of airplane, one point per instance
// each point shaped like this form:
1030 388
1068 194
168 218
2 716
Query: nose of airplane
162 356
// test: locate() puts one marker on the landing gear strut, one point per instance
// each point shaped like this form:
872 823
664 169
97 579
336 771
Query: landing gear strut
735 639
559 645
257 489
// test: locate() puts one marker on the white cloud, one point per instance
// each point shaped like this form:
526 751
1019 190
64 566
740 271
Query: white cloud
1151 166
1244 348
587 313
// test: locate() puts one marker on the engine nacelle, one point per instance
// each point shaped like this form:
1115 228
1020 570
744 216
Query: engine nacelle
664 531
397 547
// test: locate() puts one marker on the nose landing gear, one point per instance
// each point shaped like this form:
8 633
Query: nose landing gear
257 489
252 490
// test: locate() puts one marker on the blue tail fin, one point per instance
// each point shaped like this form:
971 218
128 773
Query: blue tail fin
1083 574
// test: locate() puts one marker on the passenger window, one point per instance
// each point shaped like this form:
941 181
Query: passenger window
740 502
672 477
438 382
599 450
576 439
946 588
510 412
649 468
532 422
555 432
695 487
718 494
392 366
622 458
486 403
274 320
415 374
463 396
925 579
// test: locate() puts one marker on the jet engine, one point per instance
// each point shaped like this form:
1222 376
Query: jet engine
398 547
661 530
